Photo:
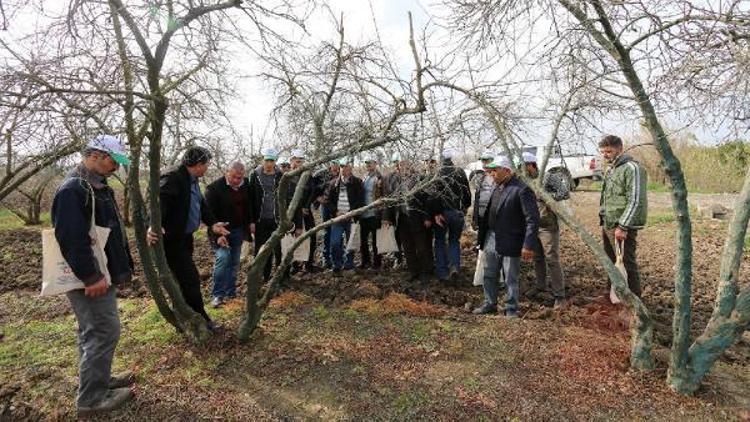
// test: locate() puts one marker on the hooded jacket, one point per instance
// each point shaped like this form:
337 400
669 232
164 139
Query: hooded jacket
623 201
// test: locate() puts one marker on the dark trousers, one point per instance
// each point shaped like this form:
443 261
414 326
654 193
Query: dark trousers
368 229
628 257
179 251
263 230
309 222
416 242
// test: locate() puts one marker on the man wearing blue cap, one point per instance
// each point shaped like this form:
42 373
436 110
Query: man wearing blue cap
95 306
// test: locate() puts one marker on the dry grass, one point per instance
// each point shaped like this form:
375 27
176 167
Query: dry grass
397 303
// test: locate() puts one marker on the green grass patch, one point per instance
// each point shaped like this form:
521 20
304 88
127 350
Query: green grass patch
660 218
10 221
657 187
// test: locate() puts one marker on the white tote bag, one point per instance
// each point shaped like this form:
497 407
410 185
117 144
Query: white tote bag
620 266
479 270
57 276
301 254
385 238
353 244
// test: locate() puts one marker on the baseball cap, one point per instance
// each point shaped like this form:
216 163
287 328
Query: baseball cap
396 157
112 146
270 154
448 154
501 161
298 153
487 155
529 157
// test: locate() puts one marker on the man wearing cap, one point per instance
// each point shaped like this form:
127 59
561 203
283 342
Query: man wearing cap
95 306
284 165
228 197
321 179
264 216
507 232
369 221
484 184
623 206
342 195
547 252
303 217
183 208
390 183
453 198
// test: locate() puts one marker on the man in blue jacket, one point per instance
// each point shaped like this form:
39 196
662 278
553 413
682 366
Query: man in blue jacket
95 306
507 232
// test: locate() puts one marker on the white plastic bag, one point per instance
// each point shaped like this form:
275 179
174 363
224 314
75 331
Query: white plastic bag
353 244
620 266
57 276
479 271
385 238
301 254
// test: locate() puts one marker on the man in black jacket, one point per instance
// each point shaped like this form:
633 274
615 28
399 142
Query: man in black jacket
412 219
303 216
453 197
507 232
369 222
95 306
342 195
183 207
264 216
228 197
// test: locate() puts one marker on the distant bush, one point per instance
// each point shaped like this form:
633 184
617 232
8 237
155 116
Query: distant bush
719 168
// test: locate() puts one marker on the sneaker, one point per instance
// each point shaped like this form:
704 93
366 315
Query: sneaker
485 309
216 302
122 379
455 278
560 303
114 399
511 313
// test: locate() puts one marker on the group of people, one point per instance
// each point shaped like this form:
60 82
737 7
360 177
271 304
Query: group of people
428 216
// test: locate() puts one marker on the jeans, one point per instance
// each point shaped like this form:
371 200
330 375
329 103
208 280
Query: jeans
450 260
368 229
325 216
179 251
263 230
340 233
226 263
98 334
547 256
628 257
495 267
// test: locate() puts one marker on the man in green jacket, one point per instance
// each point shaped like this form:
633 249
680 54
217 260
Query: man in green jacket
623 206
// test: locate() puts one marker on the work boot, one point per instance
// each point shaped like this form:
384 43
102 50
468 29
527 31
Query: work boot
122 379
216 302
511 313
114 399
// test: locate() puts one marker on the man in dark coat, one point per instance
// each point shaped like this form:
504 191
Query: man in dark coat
507 232
228 197
342 195
303 216
95 306
321 179
183 208
264 217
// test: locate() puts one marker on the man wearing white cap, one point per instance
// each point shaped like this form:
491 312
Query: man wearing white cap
95 306
369 221
483 187
303 218
547 252
507 232
264 216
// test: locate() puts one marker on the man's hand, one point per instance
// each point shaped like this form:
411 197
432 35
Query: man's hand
223 242
427 224
385 224
620 234
97 289
305 211
440 220
527 254
152 237
218 228
252 228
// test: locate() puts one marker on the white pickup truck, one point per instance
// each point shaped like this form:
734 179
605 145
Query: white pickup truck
573 166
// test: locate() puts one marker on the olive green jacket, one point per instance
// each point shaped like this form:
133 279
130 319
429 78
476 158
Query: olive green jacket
623 200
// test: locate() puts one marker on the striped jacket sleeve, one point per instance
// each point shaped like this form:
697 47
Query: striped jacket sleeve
635 191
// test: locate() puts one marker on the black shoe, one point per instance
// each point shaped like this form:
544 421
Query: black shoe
424 279
113 400
485 309
212 326
337 273
312 268
121 380
413 277
454 278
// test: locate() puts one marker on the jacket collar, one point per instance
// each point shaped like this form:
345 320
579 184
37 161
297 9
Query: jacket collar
97 181
622 159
